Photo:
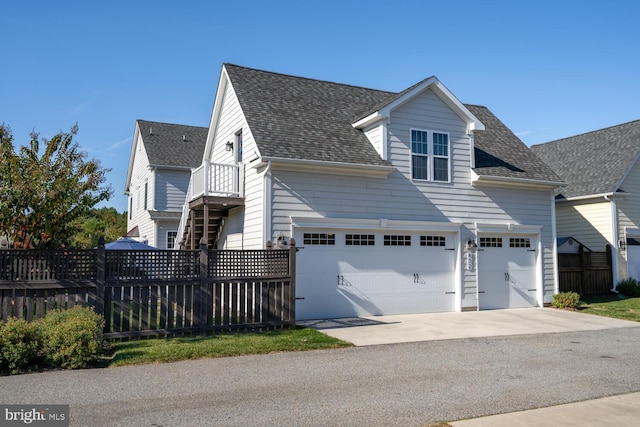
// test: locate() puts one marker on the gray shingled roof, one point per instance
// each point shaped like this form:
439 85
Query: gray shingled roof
173 145
499 152
300 118
594 162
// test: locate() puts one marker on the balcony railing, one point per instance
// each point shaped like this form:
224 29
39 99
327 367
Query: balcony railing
214 179
211 179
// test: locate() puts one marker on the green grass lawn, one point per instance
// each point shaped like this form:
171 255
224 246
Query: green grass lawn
223 345
612 306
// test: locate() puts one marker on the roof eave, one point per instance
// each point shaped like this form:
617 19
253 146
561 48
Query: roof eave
338 168
587 197
477 179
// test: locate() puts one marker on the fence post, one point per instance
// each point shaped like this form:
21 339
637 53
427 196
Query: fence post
610 265
101 277
204 296
292 283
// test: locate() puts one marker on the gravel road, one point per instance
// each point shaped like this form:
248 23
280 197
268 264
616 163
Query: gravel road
409 384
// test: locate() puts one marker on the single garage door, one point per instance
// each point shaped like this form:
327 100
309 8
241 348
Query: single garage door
506 272
361 273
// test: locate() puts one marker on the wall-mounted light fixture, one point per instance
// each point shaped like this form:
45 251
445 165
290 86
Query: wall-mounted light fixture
622 245
471 243
229 145
281 241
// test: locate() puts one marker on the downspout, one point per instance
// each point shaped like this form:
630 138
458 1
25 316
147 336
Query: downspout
554 236
266 204
614 238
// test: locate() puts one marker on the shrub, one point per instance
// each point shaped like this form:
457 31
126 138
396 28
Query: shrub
20 345
569 300
72 338
629 287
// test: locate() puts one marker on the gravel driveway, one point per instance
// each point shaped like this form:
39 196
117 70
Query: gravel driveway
409 384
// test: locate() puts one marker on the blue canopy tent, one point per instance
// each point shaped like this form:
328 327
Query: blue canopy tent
128 244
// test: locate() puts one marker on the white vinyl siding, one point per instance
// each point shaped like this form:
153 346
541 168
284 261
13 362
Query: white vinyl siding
590 224
170 189
248 219
628 212
375 135
141 174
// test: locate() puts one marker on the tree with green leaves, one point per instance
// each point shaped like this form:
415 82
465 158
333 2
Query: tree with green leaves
45 188
103 222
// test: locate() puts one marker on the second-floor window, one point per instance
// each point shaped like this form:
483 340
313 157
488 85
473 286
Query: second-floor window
429 155
238 146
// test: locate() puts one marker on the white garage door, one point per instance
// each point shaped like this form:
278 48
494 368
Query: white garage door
361 273
633 256
506 272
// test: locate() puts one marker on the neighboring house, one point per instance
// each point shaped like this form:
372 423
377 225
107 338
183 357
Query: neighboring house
403 202
162 156
600 204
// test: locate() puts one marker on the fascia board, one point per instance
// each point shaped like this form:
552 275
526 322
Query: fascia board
215 114
338 168
593 197
473 123
134 149
374 224
501 180
626 173
369 120
507 228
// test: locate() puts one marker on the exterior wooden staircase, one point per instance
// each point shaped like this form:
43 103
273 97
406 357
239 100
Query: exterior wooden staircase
205 219
214 189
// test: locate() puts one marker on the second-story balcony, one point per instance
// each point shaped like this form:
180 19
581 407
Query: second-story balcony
213 190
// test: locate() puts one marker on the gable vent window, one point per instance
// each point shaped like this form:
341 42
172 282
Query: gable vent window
397 240
360 240
432 241
319 239
517 242
490 242
430 156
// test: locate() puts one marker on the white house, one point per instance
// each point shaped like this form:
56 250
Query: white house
600 204
162 156
403 202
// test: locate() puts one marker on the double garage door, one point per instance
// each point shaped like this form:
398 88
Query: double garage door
362 273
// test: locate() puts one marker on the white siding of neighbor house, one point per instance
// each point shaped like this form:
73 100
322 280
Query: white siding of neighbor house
589 223
140 175
163 228
249 218
399 198
628 212
170 189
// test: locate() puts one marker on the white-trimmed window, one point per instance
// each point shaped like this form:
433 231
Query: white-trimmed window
430 160
171 239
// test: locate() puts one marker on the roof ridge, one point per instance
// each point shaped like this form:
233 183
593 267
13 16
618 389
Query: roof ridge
171 124
310 78
588 133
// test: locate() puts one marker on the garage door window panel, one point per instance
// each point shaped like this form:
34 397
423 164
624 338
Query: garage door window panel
319 239
491 242
433 241
360 240
397 240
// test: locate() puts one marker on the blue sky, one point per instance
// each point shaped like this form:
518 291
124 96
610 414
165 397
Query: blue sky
547 69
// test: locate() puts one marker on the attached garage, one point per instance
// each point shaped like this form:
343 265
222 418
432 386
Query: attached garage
347 272
507 271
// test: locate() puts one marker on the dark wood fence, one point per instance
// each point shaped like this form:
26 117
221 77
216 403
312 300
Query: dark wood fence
147 293
586 273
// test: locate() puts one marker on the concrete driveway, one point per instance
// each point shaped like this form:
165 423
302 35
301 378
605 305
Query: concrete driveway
404 328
